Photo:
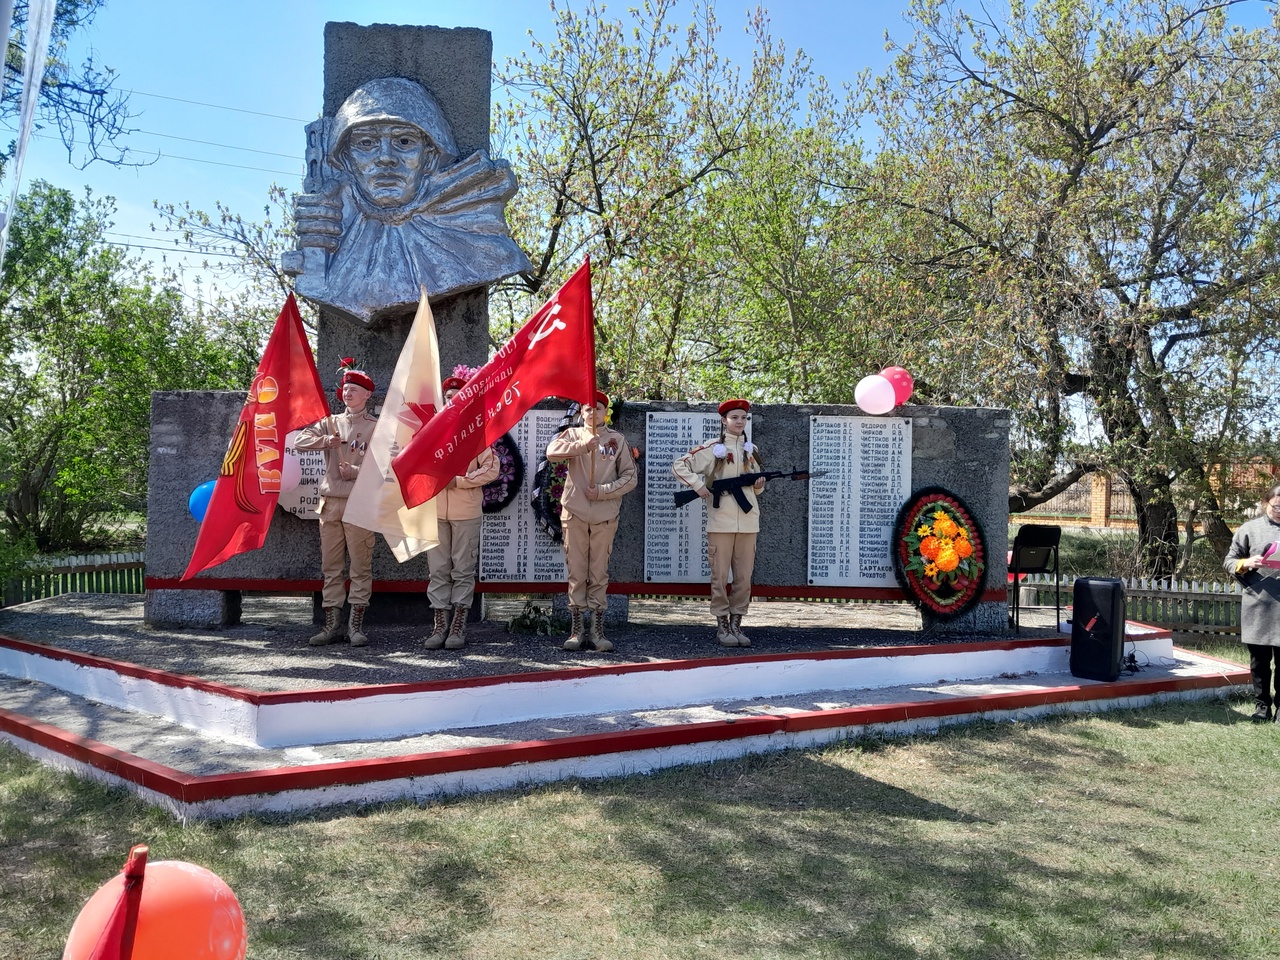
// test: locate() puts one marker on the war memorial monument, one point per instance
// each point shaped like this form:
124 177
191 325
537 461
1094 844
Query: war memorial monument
400 190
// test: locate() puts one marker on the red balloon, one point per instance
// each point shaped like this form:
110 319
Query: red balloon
185 911
902 383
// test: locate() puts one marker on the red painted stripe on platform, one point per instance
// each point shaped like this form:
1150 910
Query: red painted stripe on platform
380 769
124 668
335 694
699 589
93 753
234 583
193 789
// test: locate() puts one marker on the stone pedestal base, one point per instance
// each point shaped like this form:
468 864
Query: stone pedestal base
987 619
198 609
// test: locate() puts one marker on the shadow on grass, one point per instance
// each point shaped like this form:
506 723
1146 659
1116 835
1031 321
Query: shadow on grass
809 858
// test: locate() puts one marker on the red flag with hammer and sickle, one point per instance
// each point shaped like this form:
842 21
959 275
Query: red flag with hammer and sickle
552 355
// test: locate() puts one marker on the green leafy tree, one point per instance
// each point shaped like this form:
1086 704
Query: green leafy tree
1095 186
621 131
88 336
241 285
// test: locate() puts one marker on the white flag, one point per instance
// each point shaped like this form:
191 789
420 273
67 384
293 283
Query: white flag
39 28
413 398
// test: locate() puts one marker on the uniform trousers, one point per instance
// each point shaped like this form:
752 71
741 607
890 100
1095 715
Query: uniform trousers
726 552
451 566
339 540
587 548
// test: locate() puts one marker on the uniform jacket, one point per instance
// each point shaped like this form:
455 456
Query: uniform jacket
699 468
355 429
464 499
615 472
1260 602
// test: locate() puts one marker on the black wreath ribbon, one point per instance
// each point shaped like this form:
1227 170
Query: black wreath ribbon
939 554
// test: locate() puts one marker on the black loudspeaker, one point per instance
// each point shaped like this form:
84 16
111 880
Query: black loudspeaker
1097 628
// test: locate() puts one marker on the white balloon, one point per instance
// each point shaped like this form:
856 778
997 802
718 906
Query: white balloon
874 394
290 472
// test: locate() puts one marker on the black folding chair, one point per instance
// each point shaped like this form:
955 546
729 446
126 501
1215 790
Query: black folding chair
1035 550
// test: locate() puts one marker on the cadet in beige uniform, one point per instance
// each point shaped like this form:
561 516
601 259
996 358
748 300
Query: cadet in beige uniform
600 471
731 533
451 565
344 438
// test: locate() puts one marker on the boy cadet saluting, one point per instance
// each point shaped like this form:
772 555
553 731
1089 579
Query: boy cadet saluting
344 438
601 470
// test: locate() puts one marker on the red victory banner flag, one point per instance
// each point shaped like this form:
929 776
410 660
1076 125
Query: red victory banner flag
285 395
552 355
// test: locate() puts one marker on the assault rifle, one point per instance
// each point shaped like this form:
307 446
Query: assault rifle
735 486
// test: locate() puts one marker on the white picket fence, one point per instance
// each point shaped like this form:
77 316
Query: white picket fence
90 573
1187 607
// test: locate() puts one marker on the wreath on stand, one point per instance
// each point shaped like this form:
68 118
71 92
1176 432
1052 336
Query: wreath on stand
939 556
548 484
502 489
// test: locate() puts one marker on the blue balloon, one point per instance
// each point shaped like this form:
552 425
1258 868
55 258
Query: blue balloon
198 502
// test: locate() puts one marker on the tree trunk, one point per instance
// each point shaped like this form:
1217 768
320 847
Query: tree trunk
1157 529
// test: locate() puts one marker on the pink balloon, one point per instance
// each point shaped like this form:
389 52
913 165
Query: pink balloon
902 383
874 394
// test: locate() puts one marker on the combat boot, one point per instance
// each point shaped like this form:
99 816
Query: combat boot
598 639
332 631
724 633
439 627
576 631
457 628
735 627
355 627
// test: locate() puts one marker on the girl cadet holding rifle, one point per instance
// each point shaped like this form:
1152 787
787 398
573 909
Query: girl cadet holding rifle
344 438
731 529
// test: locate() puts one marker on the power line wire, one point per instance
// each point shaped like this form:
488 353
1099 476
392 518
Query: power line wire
176 251
211 143
216 163
220 163
217 106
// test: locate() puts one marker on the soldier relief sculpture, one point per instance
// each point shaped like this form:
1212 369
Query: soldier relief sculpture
390 206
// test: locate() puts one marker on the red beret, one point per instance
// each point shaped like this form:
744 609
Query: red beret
452 383
358 377
602 398
734 405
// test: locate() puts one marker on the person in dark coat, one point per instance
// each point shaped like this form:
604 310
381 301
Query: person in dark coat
1255 546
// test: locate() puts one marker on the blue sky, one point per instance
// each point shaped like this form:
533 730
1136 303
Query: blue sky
197 70
203 74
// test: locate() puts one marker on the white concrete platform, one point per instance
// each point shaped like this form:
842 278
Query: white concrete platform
202 749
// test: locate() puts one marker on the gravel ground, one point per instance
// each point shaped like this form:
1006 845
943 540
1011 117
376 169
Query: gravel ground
268 650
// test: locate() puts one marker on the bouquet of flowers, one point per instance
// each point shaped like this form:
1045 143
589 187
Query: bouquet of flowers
940 547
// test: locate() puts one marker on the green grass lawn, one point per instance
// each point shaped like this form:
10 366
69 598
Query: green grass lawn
1146 833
